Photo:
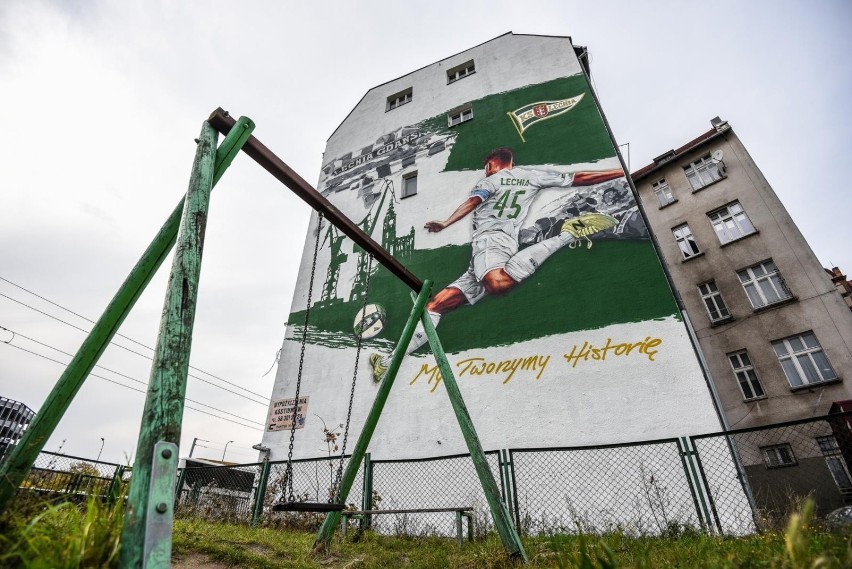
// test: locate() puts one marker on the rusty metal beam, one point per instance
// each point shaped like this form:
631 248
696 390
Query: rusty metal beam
223 122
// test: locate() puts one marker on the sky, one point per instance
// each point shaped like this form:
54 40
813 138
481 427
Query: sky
102 100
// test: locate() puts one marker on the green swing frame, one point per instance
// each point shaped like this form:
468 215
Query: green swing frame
147 534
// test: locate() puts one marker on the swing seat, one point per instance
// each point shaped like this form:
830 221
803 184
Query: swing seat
307 507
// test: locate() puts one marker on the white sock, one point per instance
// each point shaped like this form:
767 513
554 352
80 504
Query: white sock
418 339
524 263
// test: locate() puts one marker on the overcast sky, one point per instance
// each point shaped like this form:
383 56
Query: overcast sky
102 100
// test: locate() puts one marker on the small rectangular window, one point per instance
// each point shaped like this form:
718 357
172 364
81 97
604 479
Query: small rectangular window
664 192
460 115
399 99
685 241
713 302
409 185
803 361
835 462
746 376
460 71
777 456
703 172
763 284
730 223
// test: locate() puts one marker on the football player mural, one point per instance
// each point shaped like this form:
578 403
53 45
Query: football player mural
548 296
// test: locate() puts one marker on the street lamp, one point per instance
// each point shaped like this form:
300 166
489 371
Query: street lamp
226 450
100 451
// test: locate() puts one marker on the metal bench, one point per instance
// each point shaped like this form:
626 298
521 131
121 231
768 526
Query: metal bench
463 512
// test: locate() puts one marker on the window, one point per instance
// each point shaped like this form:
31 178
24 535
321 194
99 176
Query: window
713 302
730 223
686 242
664 192
746 376
460 71
803 360
763 284
409 185
399 99
777 456
459 116
702 172
835 462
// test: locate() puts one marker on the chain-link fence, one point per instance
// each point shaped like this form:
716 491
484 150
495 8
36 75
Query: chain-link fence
726 483
61 477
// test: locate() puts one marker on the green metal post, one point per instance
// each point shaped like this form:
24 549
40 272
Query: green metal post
179 486
332 519
163 414
502 520
17 464
257 510
161 419
367 494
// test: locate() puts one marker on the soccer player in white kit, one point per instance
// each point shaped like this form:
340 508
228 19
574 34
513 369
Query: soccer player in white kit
500 203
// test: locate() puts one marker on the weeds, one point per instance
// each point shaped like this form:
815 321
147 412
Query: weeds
62 536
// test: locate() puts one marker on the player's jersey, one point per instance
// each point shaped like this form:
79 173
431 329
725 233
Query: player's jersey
507 195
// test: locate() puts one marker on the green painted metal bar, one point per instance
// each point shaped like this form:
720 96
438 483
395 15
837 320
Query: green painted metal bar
260 494
161 419
367 493
502 520
179 486
160 506
332 519
18 463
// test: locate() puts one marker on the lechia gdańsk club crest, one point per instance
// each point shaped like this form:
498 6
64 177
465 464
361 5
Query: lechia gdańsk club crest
528 115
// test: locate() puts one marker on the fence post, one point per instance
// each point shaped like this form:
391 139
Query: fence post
260 493
179 485
115 485
707 487
367 494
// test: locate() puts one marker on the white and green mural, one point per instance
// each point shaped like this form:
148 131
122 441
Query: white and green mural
548 296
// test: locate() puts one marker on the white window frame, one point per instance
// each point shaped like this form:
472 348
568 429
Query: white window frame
460 115
459 72
714 304
702 172
406 179
746 375
803 360
398 99
664 192
835 462
778 456
731 223
686 241
764 285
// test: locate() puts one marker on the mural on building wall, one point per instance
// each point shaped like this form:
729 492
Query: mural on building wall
548 295
552 247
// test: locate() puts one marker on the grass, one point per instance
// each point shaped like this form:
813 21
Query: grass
800 547
70 535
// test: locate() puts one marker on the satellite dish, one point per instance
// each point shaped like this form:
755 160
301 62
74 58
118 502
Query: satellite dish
717 155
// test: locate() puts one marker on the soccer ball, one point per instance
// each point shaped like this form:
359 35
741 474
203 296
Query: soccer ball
370 319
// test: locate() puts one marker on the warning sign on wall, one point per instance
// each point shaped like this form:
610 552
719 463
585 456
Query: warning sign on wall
283 412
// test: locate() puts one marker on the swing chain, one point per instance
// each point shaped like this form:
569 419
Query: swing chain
336 486
288 473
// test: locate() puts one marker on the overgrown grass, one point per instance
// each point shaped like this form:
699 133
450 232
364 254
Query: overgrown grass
69 535
799 547
42 535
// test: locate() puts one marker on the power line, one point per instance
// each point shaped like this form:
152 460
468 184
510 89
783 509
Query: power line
144 355
120 335
143 392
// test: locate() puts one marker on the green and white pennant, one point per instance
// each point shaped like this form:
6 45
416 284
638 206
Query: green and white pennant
528 115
